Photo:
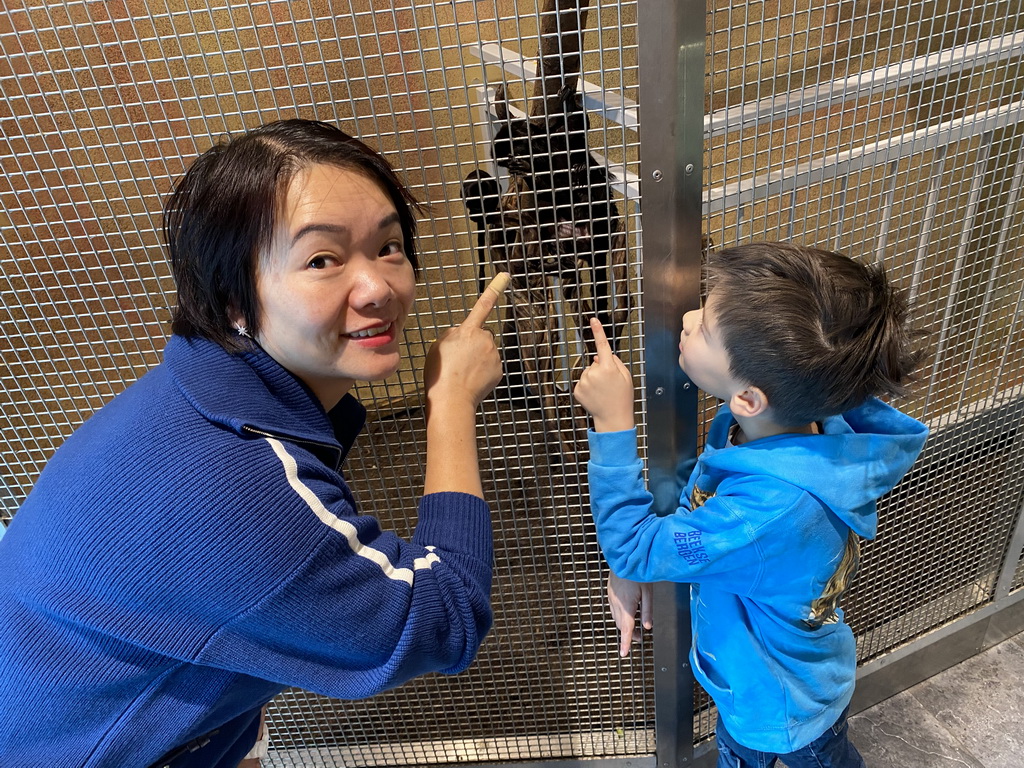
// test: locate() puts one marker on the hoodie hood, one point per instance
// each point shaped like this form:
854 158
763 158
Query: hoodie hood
859 456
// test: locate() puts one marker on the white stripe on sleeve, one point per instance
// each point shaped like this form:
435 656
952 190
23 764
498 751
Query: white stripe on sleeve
344 527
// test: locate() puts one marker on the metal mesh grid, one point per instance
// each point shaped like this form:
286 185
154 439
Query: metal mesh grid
893 131
878 129
104 106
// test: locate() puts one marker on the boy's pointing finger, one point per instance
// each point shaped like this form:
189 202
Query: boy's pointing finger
604 348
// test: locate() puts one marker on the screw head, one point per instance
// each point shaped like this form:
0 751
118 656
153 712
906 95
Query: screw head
657 175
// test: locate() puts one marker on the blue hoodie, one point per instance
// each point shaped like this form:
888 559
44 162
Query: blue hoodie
760 530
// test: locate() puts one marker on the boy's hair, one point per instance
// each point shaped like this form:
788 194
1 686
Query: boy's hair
816 331
222 213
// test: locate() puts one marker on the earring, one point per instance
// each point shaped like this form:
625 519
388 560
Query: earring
242 330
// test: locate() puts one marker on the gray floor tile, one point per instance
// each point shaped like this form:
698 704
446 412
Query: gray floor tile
900 733
981 703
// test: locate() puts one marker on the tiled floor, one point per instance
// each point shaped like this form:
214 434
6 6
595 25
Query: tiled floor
969 716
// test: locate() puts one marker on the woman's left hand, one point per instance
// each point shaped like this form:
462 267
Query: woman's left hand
461 370
463 364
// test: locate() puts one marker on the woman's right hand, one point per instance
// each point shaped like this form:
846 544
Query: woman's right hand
463 365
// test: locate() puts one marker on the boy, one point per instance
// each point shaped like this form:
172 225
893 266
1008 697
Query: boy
797 343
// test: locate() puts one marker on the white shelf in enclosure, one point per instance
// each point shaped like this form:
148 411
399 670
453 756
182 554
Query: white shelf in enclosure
611 105
622 181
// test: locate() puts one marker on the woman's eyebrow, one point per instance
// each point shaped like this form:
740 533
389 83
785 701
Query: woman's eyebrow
334 229
337 229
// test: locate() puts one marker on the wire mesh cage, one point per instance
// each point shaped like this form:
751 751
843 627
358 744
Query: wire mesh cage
505 118
890 131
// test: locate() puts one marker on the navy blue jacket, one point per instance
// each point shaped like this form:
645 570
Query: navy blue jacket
192 550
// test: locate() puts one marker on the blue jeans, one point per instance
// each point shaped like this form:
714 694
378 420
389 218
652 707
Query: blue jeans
830 750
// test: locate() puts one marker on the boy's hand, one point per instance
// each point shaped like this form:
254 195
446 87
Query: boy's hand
624 597
605 388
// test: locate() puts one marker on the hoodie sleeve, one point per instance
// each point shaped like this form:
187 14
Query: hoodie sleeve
712 543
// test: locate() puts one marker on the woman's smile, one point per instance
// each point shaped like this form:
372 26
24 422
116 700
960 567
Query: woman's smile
373 337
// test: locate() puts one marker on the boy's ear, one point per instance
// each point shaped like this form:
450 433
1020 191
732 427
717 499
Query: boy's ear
749 402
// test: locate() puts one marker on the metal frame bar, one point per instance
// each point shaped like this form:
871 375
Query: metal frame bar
977 181
899 75
672 63
747 191
921 252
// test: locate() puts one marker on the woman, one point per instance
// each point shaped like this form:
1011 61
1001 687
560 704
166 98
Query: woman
192 549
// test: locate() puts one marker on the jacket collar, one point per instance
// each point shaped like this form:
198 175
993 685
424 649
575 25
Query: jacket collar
250 393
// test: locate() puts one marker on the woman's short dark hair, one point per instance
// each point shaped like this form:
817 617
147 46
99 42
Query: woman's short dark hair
818 332
222 213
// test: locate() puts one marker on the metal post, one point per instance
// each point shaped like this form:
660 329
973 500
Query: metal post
1012 558
672 34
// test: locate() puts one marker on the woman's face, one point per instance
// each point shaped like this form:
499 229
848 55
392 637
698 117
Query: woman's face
335 287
